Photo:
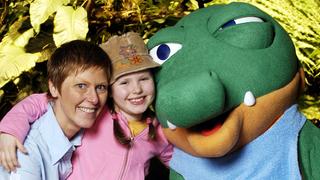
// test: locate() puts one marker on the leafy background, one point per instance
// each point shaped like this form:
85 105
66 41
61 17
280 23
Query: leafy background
31 29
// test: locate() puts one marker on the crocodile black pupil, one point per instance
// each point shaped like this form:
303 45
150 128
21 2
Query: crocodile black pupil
163 52
229 23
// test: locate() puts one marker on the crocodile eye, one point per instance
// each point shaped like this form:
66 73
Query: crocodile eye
163 52
240 21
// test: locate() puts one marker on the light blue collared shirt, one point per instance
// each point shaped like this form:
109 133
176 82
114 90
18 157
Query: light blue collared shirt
49 152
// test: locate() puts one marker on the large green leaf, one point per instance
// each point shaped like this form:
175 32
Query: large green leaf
23 40
13 61
70 24
14 34
13 58
40 10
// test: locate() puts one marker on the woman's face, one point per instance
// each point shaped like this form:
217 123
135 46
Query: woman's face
133 93
80 100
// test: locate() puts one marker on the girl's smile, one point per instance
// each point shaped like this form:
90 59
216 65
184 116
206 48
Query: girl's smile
133 93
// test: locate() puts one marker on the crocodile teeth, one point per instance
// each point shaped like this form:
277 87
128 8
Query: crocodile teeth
249 99
171 126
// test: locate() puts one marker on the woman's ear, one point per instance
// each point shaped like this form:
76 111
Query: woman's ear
53 90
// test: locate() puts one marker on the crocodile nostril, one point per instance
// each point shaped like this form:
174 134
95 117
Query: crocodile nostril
213 75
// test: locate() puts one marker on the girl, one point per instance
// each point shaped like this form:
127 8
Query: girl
125 138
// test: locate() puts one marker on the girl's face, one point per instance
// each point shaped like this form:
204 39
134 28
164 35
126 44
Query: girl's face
133 93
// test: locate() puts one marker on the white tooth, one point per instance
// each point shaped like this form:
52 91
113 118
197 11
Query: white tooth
171 126
249 99
88 110
137 99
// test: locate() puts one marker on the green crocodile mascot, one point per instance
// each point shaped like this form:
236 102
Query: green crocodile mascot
226 97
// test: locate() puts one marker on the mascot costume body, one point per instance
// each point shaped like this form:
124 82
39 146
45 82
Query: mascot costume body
226 94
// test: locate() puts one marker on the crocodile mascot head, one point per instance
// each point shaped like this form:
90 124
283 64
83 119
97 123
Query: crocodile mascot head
229 74
226 97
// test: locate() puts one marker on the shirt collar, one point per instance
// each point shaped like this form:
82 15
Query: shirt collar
58 143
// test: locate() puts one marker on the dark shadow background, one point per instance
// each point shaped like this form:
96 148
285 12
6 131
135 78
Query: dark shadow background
157 171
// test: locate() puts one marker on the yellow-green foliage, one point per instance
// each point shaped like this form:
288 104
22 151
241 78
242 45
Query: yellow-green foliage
310 107
69 24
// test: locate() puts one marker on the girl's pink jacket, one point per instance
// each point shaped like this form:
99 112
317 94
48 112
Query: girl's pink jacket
100 156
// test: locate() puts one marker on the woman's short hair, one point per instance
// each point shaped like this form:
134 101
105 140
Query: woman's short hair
76 56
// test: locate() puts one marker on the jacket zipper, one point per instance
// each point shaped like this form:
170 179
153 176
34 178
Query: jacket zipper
132 138
124 164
